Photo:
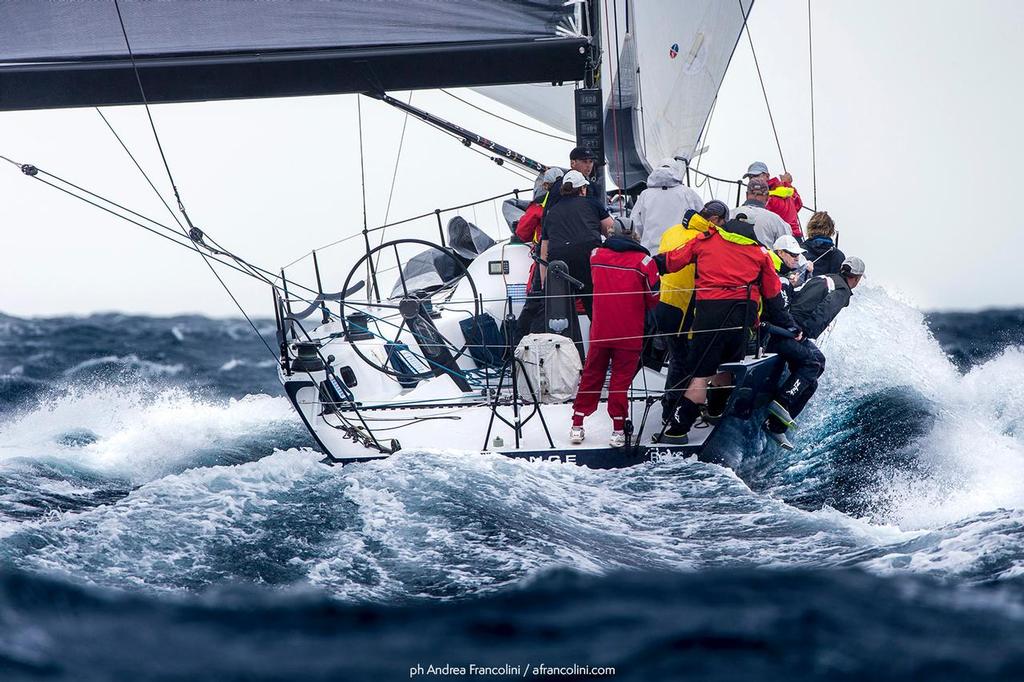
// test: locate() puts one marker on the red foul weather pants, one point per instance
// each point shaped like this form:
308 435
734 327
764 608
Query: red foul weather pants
624 363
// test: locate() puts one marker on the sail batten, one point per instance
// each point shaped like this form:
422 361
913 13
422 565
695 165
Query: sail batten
57 54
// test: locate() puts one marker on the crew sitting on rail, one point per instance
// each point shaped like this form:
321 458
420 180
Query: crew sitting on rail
733 273
625 281
664 203
813 308
674 313
783 199
767 226
821 246
572 229
793 268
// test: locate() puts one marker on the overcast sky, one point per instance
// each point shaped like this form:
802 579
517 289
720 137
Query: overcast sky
917 109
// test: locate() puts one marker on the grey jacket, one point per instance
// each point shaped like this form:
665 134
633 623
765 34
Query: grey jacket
767 226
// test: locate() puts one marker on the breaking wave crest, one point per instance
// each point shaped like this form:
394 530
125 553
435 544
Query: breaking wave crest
114 472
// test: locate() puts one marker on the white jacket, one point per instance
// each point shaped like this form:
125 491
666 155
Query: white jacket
662 205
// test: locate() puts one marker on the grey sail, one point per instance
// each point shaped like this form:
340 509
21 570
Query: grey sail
66 54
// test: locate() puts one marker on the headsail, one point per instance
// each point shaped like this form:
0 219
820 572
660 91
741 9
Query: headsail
60 54
667 59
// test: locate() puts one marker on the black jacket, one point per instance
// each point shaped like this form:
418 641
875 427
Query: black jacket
572 225
818 302
825 255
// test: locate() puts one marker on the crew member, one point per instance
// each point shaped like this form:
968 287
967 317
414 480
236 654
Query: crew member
813 308
528 225
664 203
582 160
783 199
793 267
674 313
625 288
733 274
767 226
821 246
573 228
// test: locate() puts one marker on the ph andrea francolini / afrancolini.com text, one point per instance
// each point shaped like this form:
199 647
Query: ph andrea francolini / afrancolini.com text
507 670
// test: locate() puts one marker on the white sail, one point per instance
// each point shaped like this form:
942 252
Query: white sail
683 51
671 73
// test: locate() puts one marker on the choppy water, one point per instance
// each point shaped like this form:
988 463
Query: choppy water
162 516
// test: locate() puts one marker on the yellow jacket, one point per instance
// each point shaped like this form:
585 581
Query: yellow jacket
677 287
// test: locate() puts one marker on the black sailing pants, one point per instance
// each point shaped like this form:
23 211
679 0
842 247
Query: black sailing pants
806 363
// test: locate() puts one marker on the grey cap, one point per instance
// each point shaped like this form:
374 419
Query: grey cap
623 226
853 266
552 174
757 186
756 168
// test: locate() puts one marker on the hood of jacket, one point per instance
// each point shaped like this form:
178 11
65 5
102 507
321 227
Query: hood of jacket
623 244
816 246
665 176
738 232
699 223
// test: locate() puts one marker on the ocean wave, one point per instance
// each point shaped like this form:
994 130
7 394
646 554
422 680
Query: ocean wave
713 625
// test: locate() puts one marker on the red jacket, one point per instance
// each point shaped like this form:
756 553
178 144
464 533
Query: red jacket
728 258
528 227
785 202
625 281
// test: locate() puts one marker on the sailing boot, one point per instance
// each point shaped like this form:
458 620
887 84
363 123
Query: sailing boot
779 437
777 410
685 415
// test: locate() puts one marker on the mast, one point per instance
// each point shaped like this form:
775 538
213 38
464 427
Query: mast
589 109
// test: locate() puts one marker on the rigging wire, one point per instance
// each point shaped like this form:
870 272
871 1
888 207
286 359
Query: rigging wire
506 120
177 195
219 249
746 28
810 63
371 274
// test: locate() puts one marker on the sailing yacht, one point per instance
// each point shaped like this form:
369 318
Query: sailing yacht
417 349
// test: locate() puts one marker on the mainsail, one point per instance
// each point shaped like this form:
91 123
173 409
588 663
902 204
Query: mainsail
61 54
663 65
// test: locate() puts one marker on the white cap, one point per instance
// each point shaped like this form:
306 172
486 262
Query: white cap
788 242
574 179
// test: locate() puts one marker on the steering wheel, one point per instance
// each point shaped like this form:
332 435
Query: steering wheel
411 305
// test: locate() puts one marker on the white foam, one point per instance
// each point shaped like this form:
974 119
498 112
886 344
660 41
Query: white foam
140 435
131 361
972 461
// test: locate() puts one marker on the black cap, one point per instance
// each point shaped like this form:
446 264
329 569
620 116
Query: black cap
582 154
716 208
